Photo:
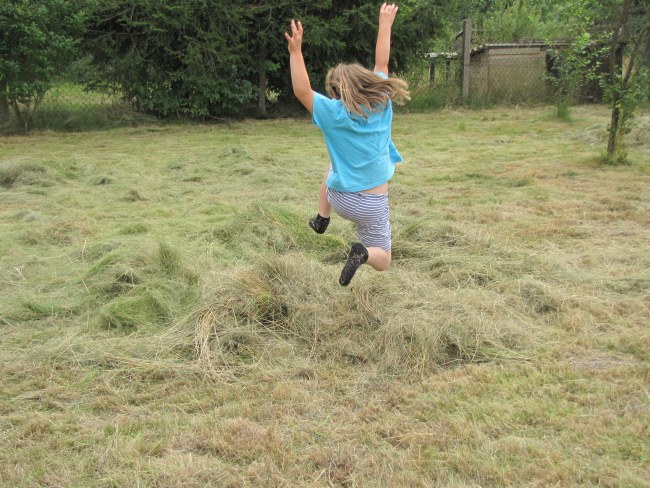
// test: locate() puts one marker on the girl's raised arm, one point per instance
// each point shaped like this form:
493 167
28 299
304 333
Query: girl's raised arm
299 77
387 14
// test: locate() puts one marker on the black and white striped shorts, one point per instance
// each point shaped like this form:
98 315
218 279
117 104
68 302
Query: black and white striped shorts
368 211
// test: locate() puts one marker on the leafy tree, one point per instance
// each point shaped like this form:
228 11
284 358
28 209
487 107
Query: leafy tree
208 58
172 57
37 41
628 29
620 34
512 22
572 67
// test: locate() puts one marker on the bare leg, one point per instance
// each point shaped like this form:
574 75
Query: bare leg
378 258
324 208
322 220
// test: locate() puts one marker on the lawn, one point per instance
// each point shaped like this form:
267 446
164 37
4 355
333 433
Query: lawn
167 317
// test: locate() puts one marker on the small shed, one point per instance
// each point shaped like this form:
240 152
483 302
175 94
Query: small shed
508 71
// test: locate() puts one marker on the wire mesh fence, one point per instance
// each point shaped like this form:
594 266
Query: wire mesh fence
76 106
68 96
498 73
513 73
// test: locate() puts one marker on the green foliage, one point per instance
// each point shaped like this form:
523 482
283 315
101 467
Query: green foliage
624 26
572 67
512 22
204 58
497 21
37 40
171 57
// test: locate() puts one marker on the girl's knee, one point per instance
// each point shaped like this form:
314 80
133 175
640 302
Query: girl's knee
379 259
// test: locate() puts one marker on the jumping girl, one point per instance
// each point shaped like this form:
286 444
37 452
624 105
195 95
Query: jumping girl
356 124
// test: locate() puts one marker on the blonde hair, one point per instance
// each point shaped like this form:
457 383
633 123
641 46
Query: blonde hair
363 91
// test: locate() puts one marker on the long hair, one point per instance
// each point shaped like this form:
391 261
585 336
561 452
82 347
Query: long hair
363 91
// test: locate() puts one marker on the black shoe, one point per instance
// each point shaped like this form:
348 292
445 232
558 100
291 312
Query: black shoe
358 255
319 224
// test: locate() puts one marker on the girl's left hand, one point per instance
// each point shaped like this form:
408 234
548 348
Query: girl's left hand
295 39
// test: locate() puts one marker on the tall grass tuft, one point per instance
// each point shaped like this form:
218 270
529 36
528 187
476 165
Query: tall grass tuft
141 287
290 306
16 172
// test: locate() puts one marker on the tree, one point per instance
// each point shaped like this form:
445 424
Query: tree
37 41
206 58
171 57
620 32
625 88
570 68
610 43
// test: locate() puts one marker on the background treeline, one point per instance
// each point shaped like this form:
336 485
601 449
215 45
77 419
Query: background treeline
213 58
202 58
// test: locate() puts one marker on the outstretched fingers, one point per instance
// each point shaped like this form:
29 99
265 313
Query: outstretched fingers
387 12
295 39
390 8
296 28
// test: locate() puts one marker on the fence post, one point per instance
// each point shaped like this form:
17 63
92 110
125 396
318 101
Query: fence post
467 47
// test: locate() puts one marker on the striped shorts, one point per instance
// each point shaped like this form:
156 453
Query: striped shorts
368 211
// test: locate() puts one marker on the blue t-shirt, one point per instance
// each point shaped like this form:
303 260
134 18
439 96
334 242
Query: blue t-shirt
361 151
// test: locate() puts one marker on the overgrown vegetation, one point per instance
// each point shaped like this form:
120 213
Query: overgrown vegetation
37 41
168 318
207 59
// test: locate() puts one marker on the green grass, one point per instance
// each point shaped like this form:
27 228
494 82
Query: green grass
167 317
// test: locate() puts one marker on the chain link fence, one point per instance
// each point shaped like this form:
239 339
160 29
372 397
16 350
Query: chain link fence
73 97
498 73
75 106
509 73
503 73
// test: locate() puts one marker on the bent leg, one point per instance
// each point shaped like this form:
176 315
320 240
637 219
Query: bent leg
378 258
322 219
324 208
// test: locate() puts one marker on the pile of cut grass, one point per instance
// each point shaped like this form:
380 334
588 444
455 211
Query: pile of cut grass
134 289
280 311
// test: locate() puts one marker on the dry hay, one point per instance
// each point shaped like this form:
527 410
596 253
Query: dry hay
290 308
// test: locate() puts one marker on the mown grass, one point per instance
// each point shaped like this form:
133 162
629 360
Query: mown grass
168 319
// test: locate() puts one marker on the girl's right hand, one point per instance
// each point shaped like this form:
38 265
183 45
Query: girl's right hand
387 13
295 39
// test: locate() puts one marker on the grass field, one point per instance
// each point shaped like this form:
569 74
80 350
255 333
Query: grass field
168 319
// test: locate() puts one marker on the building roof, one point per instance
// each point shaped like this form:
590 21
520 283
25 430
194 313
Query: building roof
488 46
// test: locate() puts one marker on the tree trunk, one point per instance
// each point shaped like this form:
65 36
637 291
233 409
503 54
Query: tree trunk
19 115
261 89
616 126
4 103
618 87
614 130
261 97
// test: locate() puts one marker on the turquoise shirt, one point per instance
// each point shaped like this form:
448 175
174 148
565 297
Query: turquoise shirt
361 151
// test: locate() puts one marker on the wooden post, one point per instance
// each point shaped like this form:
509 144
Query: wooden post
467 47
432 70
